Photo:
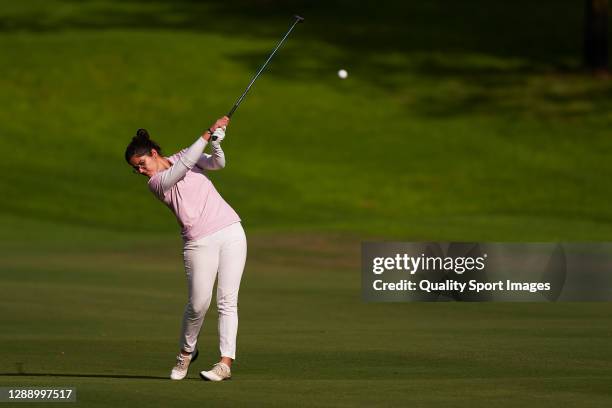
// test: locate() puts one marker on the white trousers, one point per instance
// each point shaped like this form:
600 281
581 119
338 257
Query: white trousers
223 255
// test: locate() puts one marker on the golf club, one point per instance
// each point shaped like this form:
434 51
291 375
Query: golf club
298 19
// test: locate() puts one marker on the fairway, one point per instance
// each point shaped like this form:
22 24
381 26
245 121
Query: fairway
107 322
450 134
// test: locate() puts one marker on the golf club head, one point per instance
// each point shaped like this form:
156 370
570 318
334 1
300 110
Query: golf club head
299 18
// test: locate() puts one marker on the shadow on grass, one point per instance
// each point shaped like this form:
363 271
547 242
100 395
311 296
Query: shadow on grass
122 376
495 28
442 58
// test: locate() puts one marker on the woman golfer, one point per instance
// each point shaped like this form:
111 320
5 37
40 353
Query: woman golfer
214 241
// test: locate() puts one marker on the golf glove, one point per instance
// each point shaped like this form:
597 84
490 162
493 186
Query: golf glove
219 133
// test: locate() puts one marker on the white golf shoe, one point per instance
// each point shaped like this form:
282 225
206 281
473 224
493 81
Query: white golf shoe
219 372
182 365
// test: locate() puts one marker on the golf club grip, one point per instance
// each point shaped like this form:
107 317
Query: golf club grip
229 115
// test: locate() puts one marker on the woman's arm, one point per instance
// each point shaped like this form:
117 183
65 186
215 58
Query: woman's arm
177 171
215 161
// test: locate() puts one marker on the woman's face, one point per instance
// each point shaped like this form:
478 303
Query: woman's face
147 165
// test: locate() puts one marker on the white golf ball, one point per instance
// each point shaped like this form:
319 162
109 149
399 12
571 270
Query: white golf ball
342 74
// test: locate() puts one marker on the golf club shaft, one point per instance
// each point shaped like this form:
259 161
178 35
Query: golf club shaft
298 19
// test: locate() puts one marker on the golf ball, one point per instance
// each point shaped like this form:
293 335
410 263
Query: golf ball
342 74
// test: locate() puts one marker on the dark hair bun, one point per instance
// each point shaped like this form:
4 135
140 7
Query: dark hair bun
142 134
141 144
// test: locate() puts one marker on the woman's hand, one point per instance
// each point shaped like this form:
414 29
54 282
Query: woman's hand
220 123
218 136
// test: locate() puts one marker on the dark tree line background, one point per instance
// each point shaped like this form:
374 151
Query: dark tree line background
596 35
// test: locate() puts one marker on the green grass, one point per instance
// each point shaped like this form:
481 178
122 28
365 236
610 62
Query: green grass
436 144
458 121
107 321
